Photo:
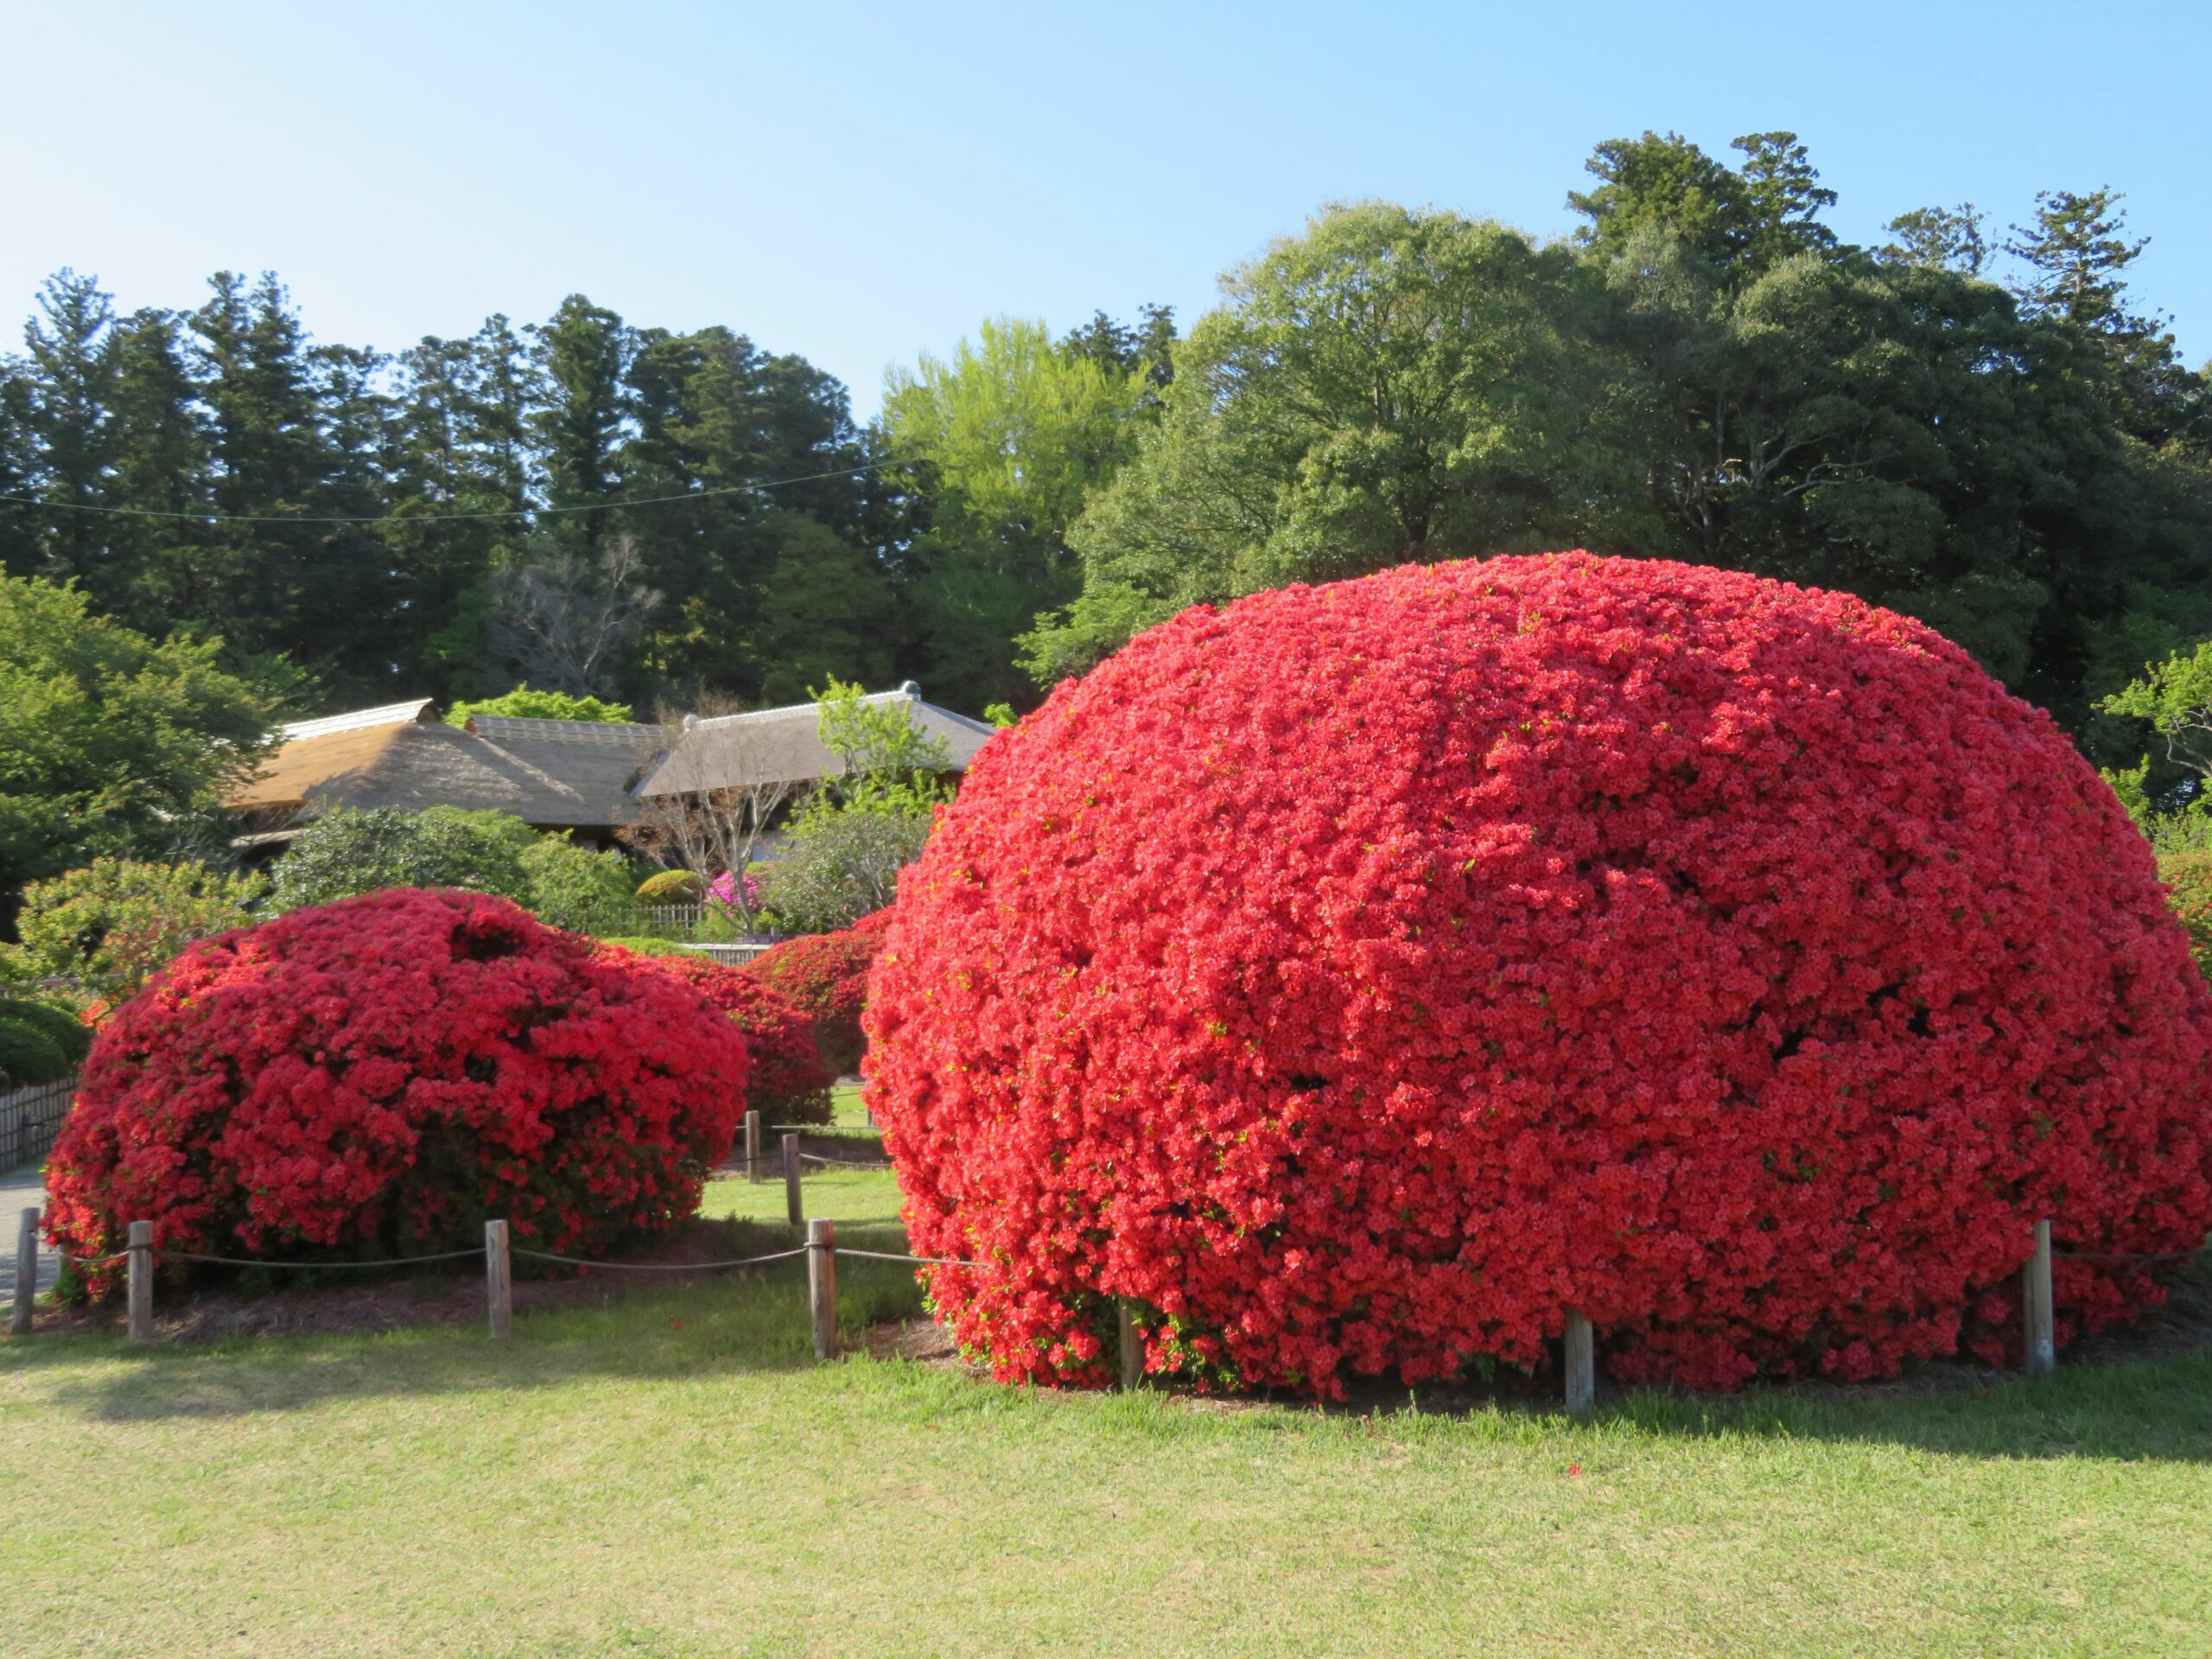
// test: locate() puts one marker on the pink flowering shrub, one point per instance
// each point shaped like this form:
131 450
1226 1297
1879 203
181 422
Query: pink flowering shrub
1362 977
380 1076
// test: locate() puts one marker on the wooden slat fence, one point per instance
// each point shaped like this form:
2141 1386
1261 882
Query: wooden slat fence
31 1118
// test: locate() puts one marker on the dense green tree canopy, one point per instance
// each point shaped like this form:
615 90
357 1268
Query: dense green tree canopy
1005 439
1990 430
116 743
1705 373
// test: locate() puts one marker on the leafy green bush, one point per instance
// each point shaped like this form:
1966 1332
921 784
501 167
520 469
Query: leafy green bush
573 888
349 853
28 1055
672 887
2189 875
110 927
523 703
115 743
69 1034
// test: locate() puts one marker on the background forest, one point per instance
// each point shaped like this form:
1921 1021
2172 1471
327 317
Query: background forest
1974 423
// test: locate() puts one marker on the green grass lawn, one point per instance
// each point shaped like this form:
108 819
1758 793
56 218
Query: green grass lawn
673 1474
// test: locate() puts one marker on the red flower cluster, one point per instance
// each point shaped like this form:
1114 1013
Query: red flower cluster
1363 977
787 1080
826 974
377 1076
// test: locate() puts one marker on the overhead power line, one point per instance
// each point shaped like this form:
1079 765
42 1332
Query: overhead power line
439 517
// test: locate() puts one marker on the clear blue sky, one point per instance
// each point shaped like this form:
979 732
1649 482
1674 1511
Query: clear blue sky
858 183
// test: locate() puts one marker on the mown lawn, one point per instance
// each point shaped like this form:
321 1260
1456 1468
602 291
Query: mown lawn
673 1474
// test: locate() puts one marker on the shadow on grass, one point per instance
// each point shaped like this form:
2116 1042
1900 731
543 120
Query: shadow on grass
754 1324
648 1328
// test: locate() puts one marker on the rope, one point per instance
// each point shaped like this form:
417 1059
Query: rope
659 1266
2103 1255
845 1163
918 1260
306 1266
94 1261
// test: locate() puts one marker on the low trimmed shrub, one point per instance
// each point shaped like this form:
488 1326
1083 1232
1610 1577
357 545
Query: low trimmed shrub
65 1030
672 887
28 1055
377 1076
826 974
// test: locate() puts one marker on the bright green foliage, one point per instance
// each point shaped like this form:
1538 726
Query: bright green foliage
2175 697
348 852
109 927
115 744
351 852
523 703
672 887
1709 375
2189 875
1011 434
572 886
846 842
1391 386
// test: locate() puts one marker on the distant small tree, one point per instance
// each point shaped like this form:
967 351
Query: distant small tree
110 927
114 743
848 840
349 852
565 613
523 703
573 888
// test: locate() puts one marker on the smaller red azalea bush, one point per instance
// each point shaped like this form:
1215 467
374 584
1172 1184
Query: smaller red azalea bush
826 974
377 1076
788 1081
2189 876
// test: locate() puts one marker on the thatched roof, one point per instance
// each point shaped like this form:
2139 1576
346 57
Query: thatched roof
784 746
554 773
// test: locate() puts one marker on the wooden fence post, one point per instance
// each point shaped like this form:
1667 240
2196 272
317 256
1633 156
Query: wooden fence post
792 1201
141 1247
1132 1344
753 1145
26 1271
821 1285
2035 1294
1581 1365
499 1280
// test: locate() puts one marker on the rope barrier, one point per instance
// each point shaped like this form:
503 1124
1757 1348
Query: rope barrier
845 1163
2104 1256
94 1261
918 1260
310 1267
658 1267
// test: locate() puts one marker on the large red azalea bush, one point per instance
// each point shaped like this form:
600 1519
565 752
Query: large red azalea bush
1363 977
826 974
787 1080
379 1076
